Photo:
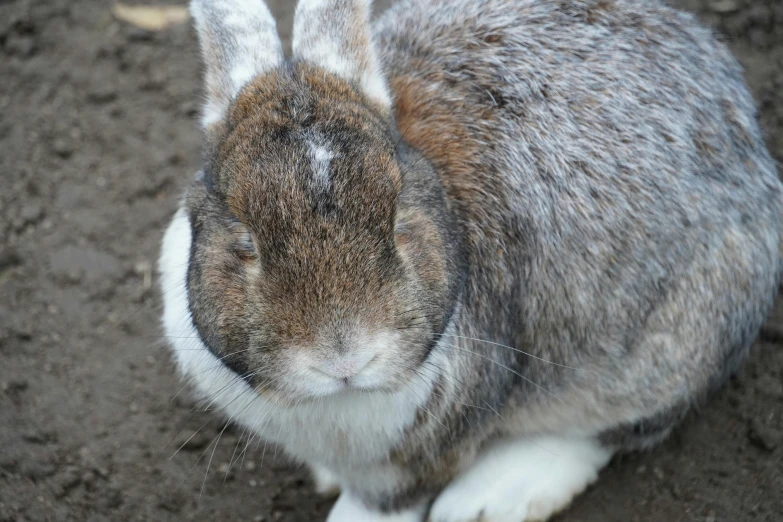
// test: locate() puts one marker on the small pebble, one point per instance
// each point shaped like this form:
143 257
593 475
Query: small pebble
31 212
724 6
103 94
173 502
7 462
62 148
762 437
144 269
24 333
192 442
9 259
70 478
88 478
38 469
14 386
40 437
111 499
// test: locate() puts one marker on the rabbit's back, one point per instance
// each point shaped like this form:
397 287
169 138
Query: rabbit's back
604 161
618 130
604 104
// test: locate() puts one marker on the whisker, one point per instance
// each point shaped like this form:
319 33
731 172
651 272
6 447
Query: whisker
519 351
451 399
422 405
500 345
512 371
206 473
231 460
217 366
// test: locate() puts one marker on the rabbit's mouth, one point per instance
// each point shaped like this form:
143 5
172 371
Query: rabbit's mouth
346 373
372 363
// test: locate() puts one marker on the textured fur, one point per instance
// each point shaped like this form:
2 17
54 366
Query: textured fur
562 225
335 35
356 428
239 41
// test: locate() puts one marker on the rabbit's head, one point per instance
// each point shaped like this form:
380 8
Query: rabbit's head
321 260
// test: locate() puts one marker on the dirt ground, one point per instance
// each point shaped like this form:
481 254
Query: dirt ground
97 137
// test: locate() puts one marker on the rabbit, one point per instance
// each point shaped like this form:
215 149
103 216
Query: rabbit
457 259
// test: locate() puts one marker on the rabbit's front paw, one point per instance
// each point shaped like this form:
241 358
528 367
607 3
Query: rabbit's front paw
521 481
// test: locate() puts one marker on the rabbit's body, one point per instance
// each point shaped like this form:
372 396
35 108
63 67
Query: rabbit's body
618 206
586 215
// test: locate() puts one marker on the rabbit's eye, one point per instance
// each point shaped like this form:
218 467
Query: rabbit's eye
242 241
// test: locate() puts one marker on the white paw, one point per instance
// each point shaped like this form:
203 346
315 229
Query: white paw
326 483
350 509
521 481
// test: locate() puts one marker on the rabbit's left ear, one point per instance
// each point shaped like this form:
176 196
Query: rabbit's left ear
336 35
239 41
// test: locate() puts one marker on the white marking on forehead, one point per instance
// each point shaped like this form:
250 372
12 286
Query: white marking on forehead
321 156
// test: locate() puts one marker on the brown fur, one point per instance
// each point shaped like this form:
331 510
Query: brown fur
428 123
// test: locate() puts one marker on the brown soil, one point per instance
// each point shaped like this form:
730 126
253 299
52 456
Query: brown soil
97 136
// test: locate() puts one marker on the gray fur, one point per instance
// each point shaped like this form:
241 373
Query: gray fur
239 41
611 215
624 215
336 35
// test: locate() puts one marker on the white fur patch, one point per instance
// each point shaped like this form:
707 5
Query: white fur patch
342 432
327 53
326 482
239 41
321 157
374 86
522 480
212 112
324 37
349 509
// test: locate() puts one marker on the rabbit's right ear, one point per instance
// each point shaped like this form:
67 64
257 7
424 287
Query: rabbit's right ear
336 35
239 41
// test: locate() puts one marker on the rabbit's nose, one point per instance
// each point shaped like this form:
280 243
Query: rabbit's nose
343 367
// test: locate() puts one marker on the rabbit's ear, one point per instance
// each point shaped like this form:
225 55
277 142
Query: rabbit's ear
239 41
336 35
